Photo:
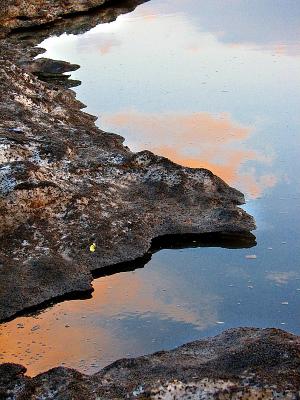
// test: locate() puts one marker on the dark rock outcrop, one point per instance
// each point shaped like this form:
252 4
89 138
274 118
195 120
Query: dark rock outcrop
244 363
65 184
23 13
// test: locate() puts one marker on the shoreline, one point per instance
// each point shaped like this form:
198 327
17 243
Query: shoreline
243 363
65 184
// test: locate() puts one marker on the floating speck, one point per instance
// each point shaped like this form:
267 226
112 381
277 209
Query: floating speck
35 328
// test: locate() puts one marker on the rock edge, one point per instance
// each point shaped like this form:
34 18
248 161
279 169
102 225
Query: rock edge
243 363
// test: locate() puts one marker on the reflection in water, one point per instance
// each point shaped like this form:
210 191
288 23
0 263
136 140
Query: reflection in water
181 295
206 84
195 140
271 25
105 327
202 95
282 278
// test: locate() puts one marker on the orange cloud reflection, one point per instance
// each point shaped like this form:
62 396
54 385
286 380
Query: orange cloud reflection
90 334
105 46
195 140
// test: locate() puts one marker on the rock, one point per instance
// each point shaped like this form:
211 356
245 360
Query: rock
65 184
52 71
239 363
28 13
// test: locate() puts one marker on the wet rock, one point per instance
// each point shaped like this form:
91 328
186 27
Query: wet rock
65 184
238 364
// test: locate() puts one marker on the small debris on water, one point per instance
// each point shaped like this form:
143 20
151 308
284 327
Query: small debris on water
285 303
251 256
35 328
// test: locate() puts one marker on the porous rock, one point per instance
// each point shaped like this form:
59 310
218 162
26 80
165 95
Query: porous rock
23 13
243 363
65 184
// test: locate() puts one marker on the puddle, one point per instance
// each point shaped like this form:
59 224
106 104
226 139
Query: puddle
207 85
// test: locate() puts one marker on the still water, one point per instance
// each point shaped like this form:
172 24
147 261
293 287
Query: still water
207 84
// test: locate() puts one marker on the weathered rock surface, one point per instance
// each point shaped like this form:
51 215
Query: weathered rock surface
65 184
244 363
28 13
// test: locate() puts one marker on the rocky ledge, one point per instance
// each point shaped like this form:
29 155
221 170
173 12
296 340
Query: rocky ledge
244 363
31 13
65 184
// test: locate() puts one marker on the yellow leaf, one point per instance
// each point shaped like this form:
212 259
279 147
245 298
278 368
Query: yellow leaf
93 247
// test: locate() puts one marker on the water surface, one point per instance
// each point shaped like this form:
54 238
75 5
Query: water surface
208 84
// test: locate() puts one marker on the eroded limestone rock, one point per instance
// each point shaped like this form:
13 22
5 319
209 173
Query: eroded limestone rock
64 184
244 363
24 13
